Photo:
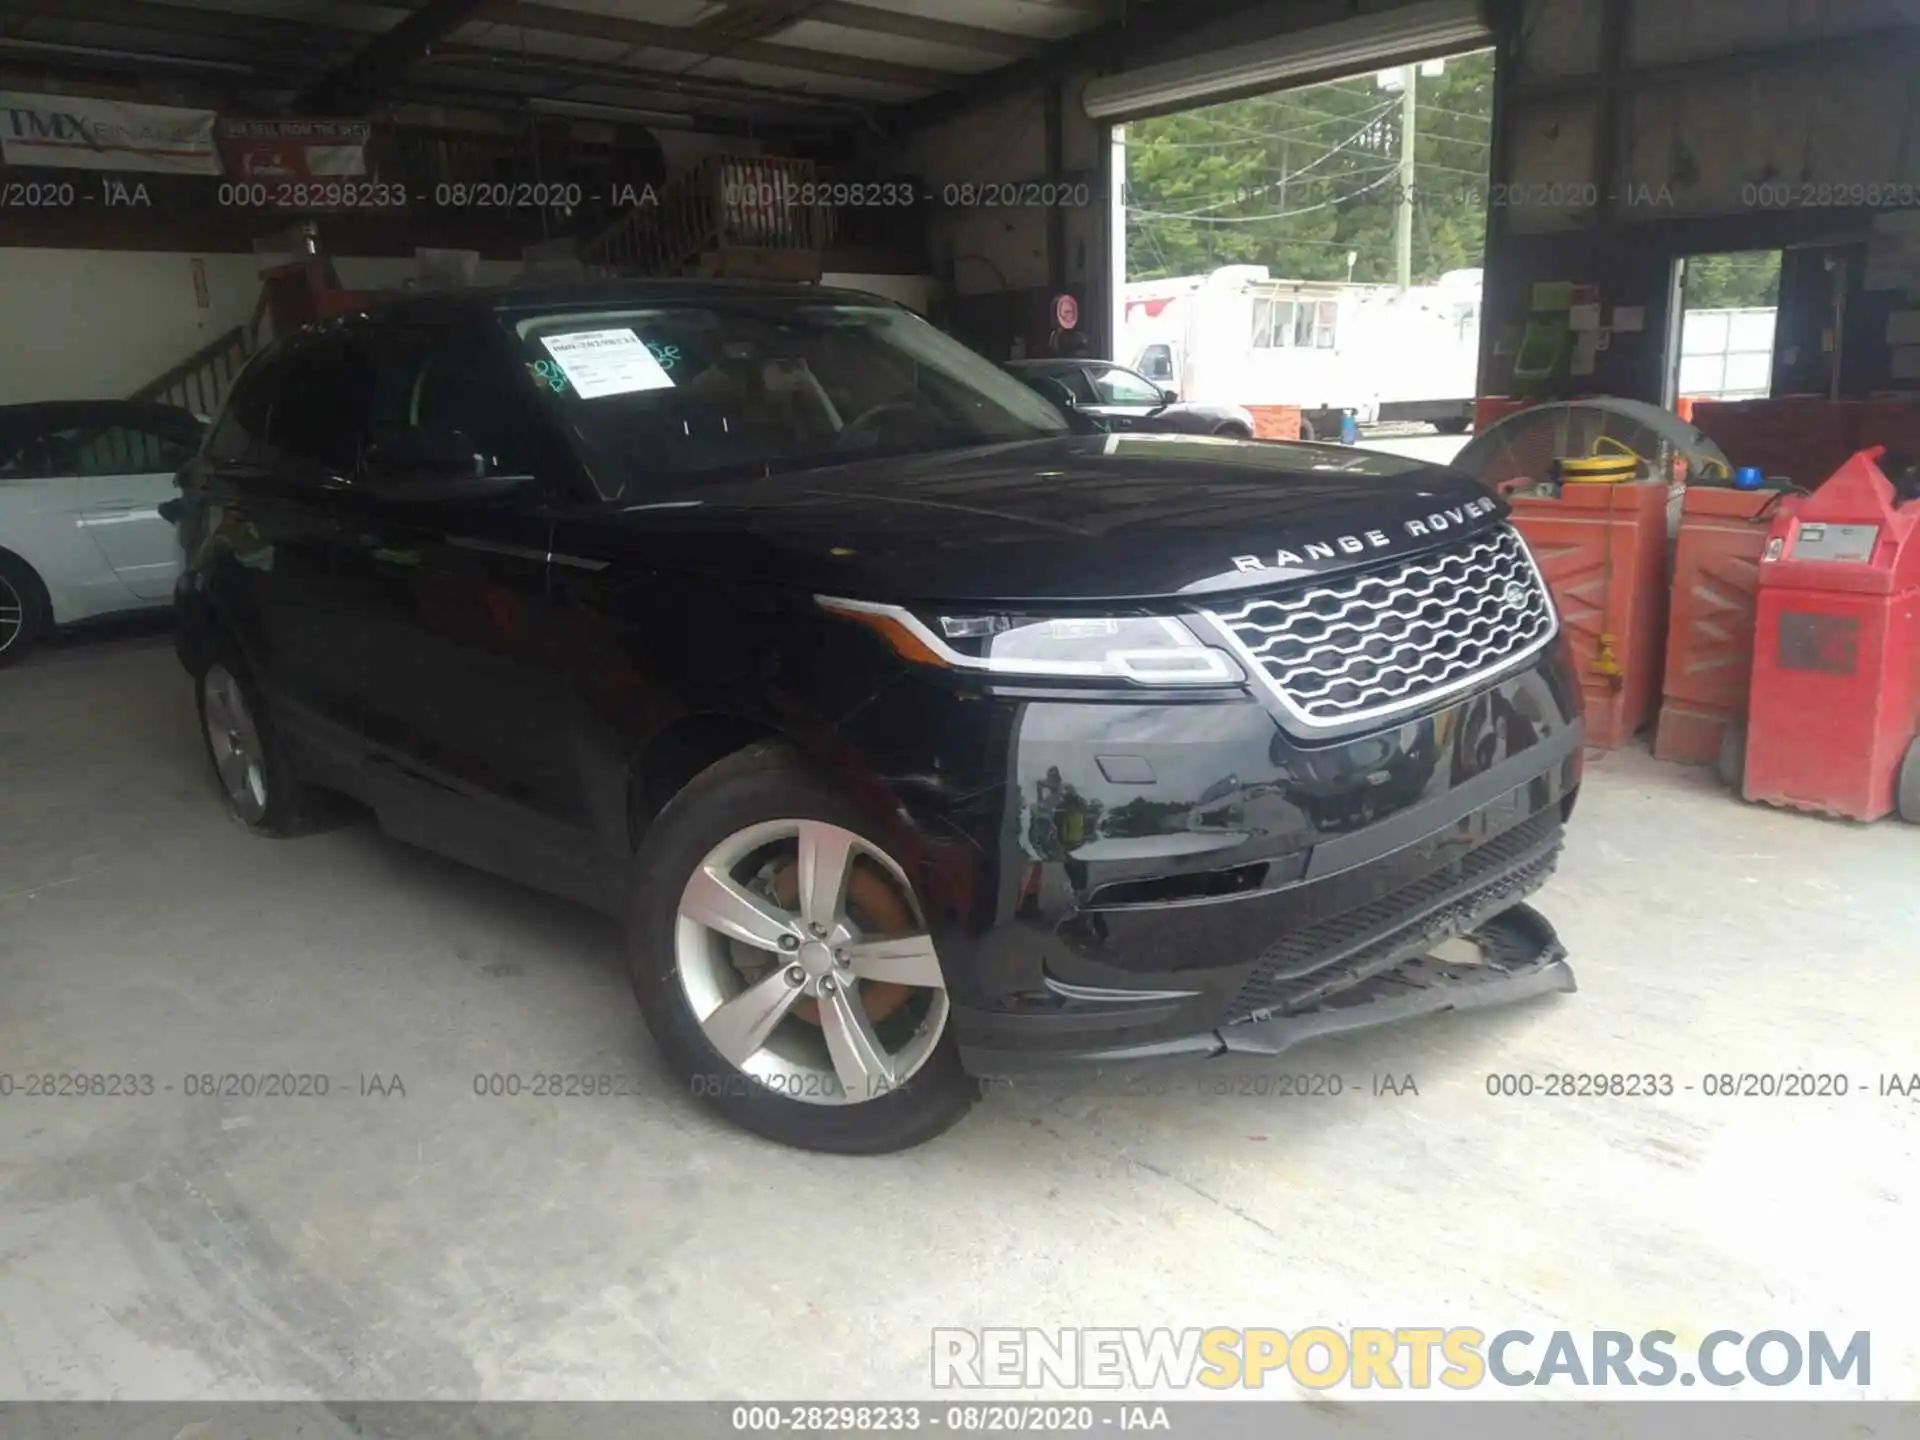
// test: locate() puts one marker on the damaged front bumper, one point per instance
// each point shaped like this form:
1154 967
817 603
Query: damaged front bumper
1509 957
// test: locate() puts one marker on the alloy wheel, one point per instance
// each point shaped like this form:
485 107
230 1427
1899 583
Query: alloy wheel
13 614
808 964
234 738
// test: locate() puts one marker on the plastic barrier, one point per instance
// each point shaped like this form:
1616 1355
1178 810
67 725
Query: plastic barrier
1603 550
1710 633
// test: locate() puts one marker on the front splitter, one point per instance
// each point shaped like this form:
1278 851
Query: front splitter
1521 959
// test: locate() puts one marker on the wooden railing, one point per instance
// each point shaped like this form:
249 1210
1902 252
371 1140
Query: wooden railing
728 214
201 381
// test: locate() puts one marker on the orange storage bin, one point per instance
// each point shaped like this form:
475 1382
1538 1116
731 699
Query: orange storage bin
1491 409
1716 573
1277 422
1603 550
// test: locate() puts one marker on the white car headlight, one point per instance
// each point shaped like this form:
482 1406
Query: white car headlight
1141 649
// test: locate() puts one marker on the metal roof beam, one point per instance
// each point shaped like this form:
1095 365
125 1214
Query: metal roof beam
683 40
202 23
1136 32
373 71
852 16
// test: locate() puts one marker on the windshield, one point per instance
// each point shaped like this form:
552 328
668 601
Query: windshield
687 390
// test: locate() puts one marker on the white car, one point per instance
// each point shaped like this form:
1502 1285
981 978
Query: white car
81 535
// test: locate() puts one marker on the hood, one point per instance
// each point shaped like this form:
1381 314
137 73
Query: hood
1096 517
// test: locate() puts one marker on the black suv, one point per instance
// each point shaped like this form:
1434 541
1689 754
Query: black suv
914 735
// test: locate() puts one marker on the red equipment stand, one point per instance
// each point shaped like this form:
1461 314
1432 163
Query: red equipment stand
1835 706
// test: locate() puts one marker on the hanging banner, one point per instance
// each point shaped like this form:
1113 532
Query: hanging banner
294 149
74 132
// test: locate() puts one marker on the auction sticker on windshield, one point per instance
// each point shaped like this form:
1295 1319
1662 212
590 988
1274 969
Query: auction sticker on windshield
606 362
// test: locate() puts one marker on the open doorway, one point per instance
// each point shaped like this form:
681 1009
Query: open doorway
1728 307
1316 248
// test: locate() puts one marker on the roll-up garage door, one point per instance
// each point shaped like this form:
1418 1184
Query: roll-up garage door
1420 31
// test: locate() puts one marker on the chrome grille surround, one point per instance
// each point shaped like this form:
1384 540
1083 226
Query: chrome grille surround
1383 642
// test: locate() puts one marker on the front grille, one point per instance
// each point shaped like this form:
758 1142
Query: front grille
1308 966
1366 646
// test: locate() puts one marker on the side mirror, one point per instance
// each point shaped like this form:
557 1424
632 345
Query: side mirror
1170 395
425 465
421 453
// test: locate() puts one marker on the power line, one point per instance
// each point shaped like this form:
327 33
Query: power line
1484 119
1202 217
1202 115
1261 134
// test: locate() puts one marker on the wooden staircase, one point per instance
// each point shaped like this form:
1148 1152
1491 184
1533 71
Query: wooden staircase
200 382
735 216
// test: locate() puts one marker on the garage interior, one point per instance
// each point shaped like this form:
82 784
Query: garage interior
410 1238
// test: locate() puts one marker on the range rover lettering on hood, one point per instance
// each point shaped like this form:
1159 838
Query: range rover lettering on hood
1440 521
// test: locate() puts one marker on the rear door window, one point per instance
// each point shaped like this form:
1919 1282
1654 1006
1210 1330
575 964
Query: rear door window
323 408
240 432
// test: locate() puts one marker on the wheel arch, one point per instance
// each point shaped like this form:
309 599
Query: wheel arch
42 592
670 758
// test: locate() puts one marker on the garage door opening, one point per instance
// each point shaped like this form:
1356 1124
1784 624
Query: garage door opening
1728 314
1316 248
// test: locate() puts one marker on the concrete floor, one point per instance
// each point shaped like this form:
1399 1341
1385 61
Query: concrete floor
442 1244
1416 442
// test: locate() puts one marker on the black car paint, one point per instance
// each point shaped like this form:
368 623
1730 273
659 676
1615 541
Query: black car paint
522 682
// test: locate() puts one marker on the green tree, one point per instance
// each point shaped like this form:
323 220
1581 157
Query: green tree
1750 279
1298 180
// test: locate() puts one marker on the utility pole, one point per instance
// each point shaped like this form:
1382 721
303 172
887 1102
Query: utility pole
1403 216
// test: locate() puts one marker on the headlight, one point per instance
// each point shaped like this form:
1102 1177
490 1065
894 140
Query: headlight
1142 649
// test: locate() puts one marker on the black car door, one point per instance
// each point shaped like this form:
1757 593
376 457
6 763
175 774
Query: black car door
465 705
274 476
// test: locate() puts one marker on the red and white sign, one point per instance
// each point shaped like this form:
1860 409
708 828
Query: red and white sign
74 132
1066 312
294 149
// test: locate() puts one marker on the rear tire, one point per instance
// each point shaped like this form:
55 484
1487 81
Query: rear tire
1907 793
256 780
25 615
790 1084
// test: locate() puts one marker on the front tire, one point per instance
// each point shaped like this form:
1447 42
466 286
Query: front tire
784 967
256 780
23 609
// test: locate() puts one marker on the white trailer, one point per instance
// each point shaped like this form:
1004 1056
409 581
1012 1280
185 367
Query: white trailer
1237 336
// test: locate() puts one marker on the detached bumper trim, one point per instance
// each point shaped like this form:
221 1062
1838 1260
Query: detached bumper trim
1524 960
